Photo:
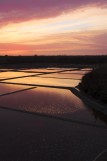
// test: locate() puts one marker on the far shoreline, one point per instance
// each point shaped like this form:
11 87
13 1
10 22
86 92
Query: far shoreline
51 61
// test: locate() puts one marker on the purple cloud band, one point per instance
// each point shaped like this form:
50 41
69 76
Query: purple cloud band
22 10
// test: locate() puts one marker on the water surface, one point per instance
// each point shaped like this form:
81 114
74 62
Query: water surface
10 74
53 98
54 102
45 81
9 88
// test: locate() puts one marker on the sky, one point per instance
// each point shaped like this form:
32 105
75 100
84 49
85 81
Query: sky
53 27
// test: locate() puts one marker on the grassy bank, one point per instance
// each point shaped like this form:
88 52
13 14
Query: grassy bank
95 83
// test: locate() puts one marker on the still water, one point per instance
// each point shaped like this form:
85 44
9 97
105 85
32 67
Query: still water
10 74
56 100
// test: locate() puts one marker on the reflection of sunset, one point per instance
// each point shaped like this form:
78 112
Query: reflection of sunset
8 88
4 75
50 92
73 31
44 100
45 81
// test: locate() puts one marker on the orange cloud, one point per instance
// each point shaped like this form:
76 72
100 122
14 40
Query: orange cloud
82 31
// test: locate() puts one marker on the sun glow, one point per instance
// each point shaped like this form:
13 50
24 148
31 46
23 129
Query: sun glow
71 31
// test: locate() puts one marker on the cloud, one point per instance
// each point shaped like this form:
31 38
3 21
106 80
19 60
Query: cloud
23 10
71 43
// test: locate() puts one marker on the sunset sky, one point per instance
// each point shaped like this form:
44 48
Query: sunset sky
53 27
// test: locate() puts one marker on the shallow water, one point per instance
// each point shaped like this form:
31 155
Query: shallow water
55 102
9 88
69 131
79 72
61 75
53 98
41 70
10 74
45 81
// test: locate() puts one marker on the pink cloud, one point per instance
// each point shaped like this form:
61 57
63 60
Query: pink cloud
23 10
95 45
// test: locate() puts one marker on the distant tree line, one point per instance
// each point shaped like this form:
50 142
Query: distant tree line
53 59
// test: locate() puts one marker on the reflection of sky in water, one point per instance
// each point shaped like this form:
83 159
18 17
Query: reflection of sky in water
64 78
78 72
46 100
61 75
45 81
42 70
58 102
61 68
12 74
8 88
86 69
